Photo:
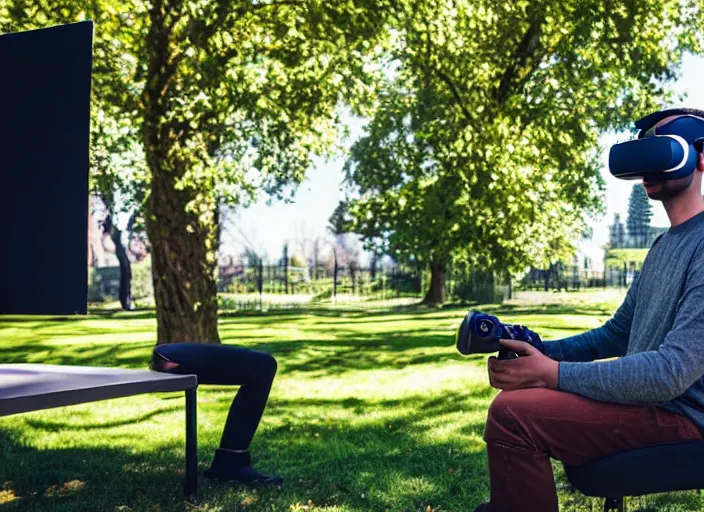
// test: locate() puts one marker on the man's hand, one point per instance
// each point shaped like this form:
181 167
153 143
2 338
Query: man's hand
532 369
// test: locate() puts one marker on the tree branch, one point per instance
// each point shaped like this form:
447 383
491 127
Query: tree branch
176 14
525 51
292 3
456 93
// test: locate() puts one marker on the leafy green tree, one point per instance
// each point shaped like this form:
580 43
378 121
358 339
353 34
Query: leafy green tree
639 213
483 146
5 20
617 238
251 258
118 177
340 227
339 222
225 99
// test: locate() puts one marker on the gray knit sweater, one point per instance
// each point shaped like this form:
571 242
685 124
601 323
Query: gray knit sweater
657 334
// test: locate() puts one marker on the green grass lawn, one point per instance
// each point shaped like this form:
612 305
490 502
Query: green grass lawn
369 412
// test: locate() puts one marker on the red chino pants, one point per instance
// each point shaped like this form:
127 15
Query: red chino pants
527 427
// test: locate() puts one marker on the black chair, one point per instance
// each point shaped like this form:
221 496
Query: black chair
664 468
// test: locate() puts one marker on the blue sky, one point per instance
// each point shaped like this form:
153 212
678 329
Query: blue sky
267 227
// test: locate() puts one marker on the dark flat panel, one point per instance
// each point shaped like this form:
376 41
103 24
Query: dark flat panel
44 142
31 387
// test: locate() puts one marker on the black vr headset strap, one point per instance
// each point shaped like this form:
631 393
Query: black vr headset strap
699 145
645 123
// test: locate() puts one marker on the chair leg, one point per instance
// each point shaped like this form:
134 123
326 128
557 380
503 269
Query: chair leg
614 504
190 484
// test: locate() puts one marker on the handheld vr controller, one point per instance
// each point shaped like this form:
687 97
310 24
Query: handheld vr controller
480 333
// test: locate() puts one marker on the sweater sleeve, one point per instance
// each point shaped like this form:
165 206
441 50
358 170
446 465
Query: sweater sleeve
609 340
654 376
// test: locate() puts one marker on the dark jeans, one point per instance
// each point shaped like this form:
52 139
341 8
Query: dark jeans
527 427
254 371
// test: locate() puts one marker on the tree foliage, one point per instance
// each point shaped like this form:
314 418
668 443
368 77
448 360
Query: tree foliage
482 140
225 99
339 222
640 212
483 146
617 233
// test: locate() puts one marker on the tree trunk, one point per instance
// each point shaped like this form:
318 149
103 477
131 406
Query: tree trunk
334 274
125 269
436 292
547 279
183 265
182 218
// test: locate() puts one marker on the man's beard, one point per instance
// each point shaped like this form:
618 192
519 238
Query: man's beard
665 190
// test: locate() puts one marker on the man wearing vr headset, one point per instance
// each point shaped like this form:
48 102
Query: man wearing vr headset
566 406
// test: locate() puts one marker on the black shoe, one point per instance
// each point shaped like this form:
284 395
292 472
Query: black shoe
484 507
235 466
245 475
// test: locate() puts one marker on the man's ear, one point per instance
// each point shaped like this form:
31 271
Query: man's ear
701 162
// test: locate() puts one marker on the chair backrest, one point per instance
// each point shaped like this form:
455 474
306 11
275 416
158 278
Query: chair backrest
44 144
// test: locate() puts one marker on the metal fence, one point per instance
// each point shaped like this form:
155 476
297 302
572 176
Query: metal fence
575 279
281 286
244 284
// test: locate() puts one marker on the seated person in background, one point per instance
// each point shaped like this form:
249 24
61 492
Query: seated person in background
566 406
254 371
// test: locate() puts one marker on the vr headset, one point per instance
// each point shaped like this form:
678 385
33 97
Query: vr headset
668 146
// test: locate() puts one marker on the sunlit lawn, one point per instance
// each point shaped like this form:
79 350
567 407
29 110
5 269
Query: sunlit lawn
369 412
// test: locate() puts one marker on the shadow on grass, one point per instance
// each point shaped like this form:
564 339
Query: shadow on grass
388 455
346 351
80 355
356 464
377 353
384 458
297 313
339 344
96 478
359 455
548 309
52 426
